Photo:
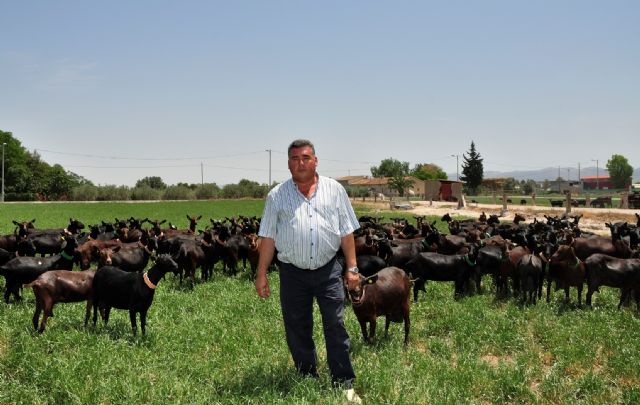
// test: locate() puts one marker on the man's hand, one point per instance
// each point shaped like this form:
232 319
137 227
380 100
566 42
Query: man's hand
262 286
351 277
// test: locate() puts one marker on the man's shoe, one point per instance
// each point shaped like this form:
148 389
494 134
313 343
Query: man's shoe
352 396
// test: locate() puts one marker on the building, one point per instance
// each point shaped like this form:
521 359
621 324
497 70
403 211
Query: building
596 183
380 185
442 190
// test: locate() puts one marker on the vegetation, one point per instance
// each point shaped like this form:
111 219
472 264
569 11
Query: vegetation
220 344
27 177
390 168
620 171
400 184
472 170
428 171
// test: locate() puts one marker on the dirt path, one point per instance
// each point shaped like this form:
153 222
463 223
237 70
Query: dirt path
593 219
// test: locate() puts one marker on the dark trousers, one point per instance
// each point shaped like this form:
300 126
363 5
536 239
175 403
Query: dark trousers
298 288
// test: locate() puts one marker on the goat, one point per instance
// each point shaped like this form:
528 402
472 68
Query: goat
116 288
61 286
385 293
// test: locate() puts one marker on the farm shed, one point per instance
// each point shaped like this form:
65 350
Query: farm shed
596 182
442 190
380 185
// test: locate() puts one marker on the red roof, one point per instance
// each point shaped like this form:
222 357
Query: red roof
595 178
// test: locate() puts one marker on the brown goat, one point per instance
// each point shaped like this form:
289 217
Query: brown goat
61 286
385 293
567 270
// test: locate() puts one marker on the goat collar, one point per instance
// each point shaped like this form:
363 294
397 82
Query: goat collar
468 260
148 282
66 255
578 261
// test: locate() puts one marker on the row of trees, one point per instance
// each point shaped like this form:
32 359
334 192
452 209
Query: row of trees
28 178
472 172
620 173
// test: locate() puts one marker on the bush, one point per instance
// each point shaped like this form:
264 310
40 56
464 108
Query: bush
231 191
207 191
178 193
145 193
85 192
113 193
20 197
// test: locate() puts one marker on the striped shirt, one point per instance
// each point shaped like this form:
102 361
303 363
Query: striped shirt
308 231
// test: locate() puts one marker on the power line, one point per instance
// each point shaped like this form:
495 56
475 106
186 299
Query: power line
147 158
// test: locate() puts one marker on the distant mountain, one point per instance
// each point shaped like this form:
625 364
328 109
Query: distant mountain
550 173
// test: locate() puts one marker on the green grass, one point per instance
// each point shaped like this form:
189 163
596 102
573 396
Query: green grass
219 343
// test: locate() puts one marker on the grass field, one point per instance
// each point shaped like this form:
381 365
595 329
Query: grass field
220 344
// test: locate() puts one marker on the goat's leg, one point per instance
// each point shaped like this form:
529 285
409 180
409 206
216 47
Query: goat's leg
387 322
87 312
95 315
48 311
143 321
363 327
407 326
132 317
372 331
36 314
106 311
590 291
580 294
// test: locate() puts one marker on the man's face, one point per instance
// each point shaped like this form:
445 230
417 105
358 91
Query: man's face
302 164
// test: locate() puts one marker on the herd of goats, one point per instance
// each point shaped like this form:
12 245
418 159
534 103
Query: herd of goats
518 256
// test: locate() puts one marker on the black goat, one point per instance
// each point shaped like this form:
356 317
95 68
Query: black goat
115 288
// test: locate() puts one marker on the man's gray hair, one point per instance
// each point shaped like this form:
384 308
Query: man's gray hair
299 143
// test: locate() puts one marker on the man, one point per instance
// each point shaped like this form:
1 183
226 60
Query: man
307 219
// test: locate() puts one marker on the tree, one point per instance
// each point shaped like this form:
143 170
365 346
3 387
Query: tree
510 184
400 184
153 182
428 171
390 168
620 171
472 170
529 186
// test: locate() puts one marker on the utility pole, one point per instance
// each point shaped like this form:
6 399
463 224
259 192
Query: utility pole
457 165
269 150
597 174
568 174
2 197
201 173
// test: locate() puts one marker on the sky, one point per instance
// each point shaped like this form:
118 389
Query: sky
197 91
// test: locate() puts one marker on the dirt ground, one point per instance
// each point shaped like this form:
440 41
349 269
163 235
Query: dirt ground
593 219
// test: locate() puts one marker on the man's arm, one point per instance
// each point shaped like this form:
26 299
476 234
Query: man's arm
267 250
348 245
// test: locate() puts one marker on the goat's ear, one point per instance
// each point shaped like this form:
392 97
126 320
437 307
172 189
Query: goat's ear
188 217
116 249
33 220
371 279
162 222
199 217
200 231
15 223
